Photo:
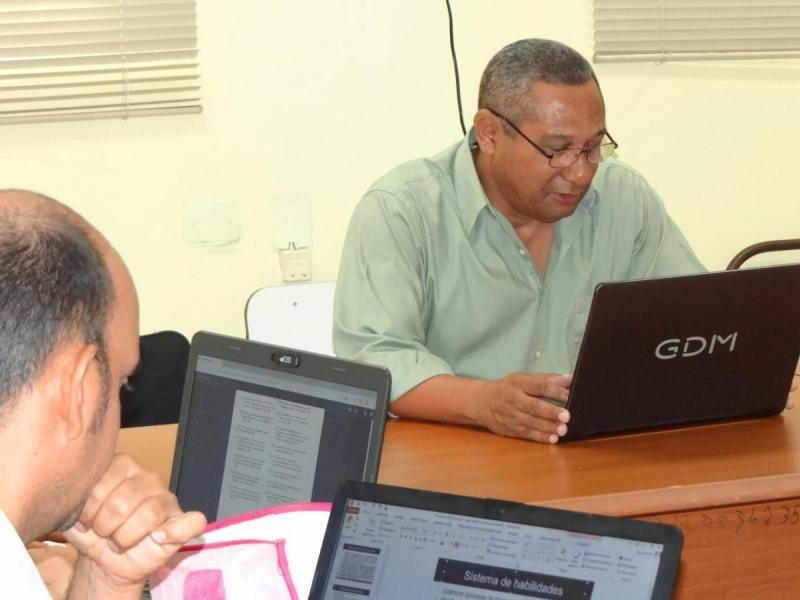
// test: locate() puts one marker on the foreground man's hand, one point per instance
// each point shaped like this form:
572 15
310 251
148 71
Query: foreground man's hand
130 526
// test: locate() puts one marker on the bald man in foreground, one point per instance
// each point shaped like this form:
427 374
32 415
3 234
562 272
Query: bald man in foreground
69 339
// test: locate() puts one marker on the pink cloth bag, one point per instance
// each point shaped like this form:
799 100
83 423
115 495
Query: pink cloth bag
237 570
266 554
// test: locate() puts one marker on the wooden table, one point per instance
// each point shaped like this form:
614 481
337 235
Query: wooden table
733 488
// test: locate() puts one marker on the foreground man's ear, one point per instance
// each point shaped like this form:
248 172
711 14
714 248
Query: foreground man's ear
75 387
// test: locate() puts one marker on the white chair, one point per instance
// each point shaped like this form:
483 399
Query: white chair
297 315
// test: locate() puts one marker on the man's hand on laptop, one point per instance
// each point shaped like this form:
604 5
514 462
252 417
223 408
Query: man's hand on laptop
528 405
790 401
129 527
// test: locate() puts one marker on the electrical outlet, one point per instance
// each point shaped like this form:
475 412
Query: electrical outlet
295 263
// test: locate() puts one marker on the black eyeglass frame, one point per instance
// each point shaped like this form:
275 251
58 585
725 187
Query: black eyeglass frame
551 155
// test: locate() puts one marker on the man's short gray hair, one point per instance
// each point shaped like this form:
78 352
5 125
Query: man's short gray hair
55 285
506 81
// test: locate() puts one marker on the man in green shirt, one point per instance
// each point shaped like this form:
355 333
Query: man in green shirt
469 275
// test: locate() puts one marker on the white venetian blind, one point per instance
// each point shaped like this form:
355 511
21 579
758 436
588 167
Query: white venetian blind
93 59
655 30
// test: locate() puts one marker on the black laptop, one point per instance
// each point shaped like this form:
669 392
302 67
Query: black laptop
396 543
264 425
689 349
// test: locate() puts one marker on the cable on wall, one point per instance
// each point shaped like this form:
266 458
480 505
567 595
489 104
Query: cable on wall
455 67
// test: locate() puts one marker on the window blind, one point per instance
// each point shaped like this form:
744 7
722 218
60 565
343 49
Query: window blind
93 59
657 30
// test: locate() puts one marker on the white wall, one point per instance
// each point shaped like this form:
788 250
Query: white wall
323 97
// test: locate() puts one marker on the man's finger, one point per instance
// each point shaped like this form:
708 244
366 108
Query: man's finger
542 437
564 380
80 539
122 468
543 409
110 512
547 385
549 428
148 516
180 529
539 420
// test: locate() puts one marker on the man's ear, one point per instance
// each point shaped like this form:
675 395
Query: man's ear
77 388
487 128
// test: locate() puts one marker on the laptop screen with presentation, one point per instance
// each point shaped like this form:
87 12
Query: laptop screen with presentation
396 543
264 425
689 349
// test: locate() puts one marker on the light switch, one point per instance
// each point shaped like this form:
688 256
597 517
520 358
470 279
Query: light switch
291 220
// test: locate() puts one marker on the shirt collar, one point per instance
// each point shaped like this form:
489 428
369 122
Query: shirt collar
469 192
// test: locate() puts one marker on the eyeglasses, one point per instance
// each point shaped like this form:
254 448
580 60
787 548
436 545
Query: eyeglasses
562 159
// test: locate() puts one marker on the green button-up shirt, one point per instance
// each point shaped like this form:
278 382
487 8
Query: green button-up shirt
434 280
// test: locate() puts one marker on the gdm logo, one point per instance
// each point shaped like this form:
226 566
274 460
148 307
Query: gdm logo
694 345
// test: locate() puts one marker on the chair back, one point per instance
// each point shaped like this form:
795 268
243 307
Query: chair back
760 248
155 390
297 315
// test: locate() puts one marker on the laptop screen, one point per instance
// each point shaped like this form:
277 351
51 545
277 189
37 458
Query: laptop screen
255 437
391 551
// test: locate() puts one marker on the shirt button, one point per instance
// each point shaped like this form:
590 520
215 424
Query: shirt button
522 252
538 354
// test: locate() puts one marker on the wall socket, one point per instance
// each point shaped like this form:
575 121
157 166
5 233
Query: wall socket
295 263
